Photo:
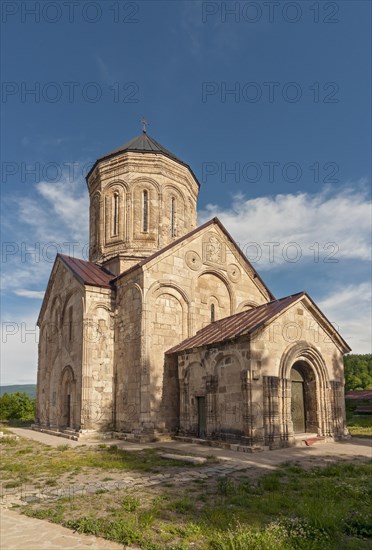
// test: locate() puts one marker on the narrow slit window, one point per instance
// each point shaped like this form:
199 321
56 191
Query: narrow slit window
116 212
145 211
70 324
212 313
173 217
96 222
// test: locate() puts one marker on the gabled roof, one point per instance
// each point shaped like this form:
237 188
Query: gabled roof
235 325
213 221
142 144
244 323
87 272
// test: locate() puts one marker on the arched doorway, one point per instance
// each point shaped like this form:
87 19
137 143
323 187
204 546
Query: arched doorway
67 399
303 398
310 364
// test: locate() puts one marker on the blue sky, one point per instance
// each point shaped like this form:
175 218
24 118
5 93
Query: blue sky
268 102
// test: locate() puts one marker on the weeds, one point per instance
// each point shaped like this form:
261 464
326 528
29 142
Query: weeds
130 503
358 524
120 530
182 505
289 508
63 447
225 486
7 440
358 425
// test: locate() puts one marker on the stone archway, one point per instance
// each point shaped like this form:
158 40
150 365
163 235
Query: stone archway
308 364
67 405
303 398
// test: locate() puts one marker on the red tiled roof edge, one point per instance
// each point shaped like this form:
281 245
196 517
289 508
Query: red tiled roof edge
258 317
88 273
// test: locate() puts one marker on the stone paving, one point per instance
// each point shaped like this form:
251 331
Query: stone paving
13 535
22 533
20 496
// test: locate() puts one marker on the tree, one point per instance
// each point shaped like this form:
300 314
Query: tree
358 372
17 406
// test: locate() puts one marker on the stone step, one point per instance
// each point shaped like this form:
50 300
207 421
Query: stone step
222 444
67 435
141 437
185 458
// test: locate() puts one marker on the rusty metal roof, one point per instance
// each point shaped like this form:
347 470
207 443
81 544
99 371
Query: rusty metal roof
236 325
88 272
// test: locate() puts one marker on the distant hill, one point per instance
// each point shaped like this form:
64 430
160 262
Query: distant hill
28 389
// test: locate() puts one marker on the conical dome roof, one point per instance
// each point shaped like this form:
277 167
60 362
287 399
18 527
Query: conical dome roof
142 144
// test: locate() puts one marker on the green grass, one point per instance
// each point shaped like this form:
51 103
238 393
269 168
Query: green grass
360 425
64 459
289 509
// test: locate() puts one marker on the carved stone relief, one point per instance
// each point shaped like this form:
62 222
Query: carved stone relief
193 260
214 251
233 272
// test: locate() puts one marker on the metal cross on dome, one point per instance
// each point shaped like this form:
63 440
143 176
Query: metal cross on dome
144 123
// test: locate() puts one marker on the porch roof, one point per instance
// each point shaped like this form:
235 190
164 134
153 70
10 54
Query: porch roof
248 322
236 325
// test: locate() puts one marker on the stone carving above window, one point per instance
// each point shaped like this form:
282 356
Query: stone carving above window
214 251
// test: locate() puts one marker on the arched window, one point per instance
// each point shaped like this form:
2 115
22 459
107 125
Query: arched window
212 313
96 221
70 324
173 217
115 215
145 221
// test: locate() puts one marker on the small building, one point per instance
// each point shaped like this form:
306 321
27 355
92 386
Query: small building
260 376
168 328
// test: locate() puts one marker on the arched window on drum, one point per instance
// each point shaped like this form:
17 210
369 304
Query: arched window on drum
145 211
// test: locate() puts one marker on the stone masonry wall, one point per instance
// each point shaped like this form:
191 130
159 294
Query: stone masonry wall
298 336
60 352
118 234
98 360
179 290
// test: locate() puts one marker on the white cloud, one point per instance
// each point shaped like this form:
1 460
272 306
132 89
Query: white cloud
66 203
60 214
56 220
38 294
19 341
349 308
334 227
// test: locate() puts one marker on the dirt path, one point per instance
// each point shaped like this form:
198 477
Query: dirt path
22 533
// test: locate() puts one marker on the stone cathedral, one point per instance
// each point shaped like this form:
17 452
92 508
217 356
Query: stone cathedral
168 329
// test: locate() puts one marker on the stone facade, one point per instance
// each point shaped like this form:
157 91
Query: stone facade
246 385
137 207
154 280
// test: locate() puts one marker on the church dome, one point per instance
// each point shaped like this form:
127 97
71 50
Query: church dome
142 198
